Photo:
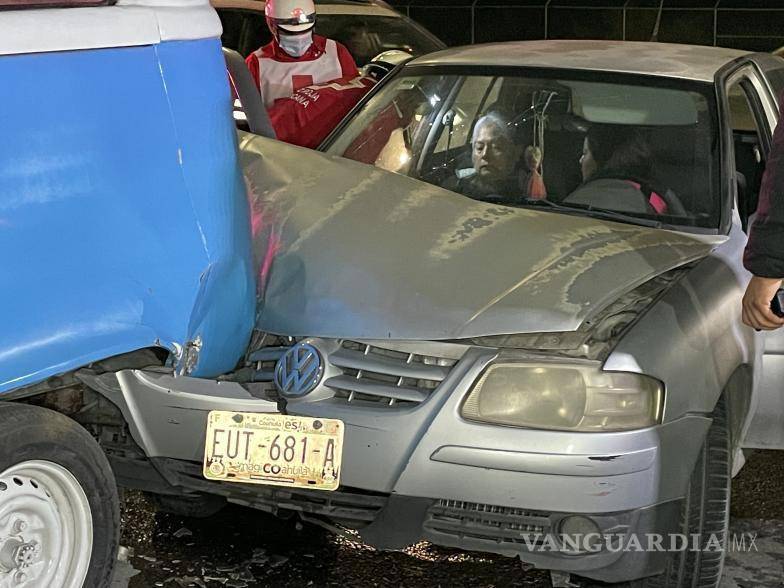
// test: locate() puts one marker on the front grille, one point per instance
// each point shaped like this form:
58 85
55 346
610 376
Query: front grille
500 524
385 376
368 374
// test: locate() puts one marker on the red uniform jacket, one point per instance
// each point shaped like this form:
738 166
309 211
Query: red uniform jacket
308 116
279 75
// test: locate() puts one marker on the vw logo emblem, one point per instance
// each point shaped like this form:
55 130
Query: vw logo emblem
299 371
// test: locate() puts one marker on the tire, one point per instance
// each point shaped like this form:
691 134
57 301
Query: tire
50 462
201 506
705 511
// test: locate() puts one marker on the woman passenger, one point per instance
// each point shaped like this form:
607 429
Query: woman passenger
617 168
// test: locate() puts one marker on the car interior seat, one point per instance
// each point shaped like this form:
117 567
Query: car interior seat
749 166
561 162
682 171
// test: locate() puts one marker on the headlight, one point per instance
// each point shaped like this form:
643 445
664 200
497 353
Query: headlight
563 397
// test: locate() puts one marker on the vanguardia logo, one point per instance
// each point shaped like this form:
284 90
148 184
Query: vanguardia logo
649 542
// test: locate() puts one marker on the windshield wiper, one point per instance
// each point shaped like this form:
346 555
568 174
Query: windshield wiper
595 212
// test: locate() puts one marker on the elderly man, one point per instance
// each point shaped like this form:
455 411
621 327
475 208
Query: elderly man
495 156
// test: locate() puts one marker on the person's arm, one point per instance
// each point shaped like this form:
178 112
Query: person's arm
756 304
764 255
347 63
285 117
311 113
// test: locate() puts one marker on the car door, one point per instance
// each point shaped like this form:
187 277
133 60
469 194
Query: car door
753 112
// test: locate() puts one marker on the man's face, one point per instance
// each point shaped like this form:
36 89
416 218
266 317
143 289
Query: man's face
493 155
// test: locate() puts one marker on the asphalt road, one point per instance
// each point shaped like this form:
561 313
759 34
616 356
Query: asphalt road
241 548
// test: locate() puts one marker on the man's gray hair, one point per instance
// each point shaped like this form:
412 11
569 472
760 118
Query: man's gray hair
495 119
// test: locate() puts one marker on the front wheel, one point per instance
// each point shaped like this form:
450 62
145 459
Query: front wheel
705 512
59 508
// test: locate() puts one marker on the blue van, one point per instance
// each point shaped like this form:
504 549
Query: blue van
125 240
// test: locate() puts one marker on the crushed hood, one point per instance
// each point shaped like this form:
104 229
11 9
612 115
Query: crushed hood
346 250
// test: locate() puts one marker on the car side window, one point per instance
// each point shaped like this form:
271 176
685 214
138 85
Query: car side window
772 69
356 33
776 79
750 139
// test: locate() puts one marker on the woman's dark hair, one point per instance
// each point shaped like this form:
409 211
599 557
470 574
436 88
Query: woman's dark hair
620 151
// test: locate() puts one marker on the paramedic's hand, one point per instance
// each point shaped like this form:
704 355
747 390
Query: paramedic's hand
756 304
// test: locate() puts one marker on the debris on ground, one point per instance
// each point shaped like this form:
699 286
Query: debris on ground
242 548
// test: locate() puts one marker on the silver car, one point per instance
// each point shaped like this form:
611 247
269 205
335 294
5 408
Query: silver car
562 379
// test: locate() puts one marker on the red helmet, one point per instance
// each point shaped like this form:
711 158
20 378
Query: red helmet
290 16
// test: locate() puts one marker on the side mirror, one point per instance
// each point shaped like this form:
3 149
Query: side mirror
250 103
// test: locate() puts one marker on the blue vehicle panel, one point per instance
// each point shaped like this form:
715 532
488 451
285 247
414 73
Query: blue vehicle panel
123 217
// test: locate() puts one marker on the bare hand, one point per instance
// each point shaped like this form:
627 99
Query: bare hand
756 304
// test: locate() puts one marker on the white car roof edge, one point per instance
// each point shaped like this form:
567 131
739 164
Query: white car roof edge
129 23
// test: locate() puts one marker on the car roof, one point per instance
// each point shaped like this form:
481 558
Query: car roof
692 62
322 6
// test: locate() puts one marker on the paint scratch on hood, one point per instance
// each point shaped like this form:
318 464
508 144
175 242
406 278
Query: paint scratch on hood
577 253
473 224
413 201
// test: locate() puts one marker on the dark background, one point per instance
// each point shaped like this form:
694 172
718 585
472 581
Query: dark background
756 25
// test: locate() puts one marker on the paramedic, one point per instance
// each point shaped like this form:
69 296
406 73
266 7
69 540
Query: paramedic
296 58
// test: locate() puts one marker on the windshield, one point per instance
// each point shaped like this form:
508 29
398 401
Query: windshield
643 148
367 36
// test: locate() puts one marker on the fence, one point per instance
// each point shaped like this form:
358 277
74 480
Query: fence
747 24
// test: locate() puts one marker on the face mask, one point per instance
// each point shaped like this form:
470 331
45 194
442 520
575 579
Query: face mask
296 45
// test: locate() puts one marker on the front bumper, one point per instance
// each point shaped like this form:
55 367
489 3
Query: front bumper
396 521
424 473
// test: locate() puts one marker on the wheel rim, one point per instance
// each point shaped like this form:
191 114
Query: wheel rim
46 531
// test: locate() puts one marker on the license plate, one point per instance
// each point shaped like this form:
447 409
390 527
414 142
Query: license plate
282 450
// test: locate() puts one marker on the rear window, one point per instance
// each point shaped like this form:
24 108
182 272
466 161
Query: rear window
367 36
364 36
